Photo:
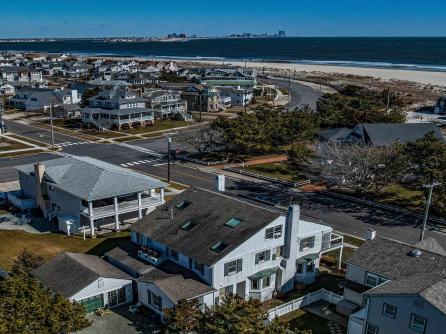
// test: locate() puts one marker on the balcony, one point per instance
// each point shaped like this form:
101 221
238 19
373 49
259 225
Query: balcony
333 242
151 256
123 207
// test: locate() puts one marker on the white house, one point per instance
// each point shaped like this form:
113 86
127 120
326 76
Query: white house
85 192
30 99
86 279
220 246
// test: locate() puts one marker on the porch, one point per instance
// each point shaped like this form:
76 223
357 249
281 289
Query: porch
142 203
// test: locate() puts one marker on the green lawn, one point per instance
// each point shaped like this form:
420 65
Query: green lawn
399 195
300 320
51 244
160 125
278 170
28 140
10 145
325 280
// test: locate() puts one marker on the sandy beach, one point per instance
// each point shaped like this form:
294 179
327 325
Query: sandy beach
422 77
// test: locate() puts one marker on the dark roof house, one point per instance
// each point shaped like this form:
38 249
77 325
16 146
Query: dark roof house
382 134
207 224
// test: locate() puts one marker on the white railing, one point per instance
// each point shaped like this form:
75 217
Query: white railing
306 300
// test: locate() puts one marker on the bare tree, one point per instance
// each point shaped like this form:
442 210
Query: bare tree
202 138
359 167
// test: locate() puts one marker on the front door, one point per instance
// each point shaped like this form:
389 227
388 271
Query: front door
241 289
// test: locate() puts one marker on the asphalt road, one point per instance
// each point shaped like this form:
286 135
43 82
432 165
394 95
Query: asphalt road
38 134
344 216
301 95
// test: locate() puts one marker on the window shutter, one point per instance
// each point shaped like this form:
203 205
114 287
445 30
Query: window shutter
226 269
149 297
239 265
257 258
268 255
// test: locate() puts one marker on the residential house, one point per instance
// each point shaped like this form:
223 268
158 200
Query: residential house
86 279
32 99
21 73
397 287
84 193
113 109
336 135
204 245
233 77
205 99
239 96
383 134
166 103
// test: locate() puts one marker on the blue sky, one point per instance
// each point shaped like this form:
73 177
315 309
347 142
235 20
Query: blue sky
82 18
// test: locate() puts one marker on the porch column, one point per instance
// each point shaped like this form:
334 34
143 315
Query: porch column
115 201
162 194
139 206
90 212
340 257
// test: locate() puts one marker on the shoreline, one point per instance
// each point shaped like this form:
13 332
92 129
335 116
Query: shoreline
430 78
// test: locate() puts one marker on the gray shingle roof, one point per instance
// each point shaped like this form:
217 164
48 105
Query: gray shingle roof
209 212
69 273
407 274
92 179
381 134
175 281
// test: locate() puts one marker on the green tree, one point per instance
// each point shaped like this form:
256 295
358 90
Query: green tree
427 157
232 316
26 262
185 317
337 110
237 316
28 307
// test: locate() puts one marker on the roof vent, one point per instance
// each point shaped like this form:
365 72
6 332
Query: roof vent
415 253
370 235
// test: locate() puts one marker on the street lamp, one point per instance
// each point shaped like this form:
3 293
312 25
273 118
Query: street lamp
51 123
169 141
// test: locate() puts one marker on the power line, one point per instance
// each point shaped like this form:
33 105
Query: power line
426 212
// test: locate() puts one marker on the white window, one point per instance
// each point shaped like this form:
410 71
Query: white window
307 243
273 232
263 256
389 310
255 284
233 267
371 329
372 280
418 323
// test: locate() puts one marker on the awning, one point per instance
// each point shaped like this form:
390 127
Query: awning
263 273
308 258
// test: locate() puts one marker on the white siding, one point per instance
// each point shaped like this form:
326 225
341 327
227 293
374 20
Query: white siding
104 285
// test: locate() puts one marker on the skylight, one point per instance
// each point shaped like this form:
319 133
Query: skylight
182 205
233 222
219 247
188 225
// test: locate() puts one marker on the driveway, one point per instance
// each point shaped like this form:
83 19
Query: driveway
121 321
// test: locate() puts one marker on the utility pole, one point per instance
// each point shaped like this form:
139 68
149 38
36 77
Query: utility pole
388 99
169 141
51 123
426 212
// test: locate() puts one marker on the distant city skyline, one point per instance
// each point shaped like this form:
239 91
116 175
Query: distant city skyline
100 18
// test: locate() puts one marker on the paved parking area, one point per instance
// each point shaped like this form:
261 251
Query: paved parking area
121 321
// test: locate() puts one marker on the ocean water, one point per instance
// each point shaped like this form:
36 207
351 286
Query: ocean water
406 53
